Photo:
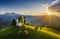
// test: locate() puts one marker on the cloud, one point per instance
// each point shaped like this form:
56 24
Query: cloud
54 6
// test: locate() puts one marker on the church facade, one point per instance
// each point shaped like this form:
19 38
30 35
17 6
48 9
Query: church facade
20 21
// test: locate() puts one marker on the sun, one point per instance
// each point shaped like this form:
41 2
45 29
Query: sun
49 13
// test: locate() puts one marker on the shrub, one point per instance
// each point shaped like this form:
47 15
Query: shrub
36 28
13 23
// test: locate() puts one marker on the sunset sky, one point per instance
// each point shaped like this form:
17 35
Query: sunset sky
26 7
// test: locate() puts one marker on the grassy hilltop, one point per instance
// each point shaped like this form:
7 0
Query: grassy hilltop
15 33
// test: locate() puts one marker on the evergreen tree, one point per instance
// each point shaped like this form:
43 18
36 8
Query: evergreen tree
13 22
20 18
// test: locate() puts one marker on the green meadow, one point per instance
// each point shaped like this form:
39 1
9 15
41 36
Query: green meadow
14 32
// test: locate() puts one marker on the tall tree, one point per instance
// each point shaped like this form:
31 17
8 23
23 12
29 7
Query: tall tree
13 22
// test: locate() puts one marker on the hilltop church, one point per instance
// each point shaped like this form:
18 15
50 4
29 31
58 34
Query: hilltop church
20 21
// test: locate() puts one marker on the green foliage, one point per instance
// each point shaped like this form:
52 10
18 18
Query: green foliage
24 31
13 22
42 26
20 18
15 32
36 28
24 19
27 24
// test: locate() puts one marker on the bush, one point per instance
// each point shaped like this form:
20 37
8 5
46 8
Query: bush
24 33
13 23
42 26
36 28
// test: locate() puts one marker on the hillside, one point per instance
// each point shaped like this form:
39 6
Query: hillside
6 18
32 20
51 21
45 33
47 20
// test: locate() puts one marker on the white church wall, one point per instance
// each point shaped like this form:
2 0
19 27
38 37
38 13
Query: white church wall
18 23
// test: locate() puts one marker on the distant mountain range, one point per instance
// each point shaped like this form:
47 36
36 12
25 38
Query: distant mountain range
51 20
8 16
5 19
47 20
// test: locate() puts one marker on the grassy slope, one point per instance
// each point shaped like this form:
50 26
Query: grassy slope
45 33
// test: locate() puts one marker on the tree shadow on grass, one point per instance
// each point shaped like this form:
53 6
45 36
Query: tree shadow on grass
33 34
39 35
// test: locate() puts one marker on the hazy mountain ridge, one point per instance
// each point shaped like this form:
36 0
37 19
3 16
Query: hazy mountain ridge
50 21
5 19
53 20
8 16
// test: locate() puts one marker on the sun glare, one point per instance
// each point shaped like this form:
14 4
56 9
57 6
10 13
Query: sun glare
48 12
